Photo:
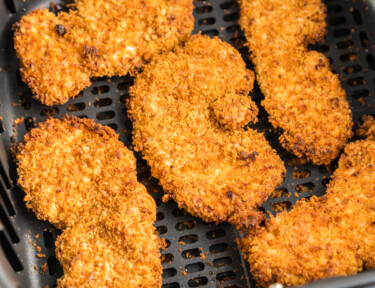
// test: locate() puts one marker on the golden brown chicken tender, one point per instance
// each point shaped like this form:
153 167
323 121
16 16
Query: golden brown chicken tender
79 176
330 236
58 54
71 168
119 250
302 96
188 109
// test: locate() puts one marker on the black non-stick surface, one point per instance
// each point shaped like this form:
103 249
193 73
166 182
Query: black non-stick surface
198 253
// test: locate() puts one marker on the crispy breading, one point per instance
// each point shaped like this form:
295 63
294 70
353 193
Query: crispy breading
366 127
188 109
302 96
49 63
79 176
323 237
72 167
58 54
118 251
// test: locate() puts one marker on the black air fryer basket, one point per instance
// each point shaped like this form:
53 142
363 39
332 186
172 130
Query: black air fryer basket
197 254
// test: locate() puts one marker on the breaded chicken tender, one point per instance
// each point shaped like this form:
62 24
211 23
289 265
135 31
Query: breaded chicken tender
59 54
302 96
323 237
188 108
80 177
71 168
119 250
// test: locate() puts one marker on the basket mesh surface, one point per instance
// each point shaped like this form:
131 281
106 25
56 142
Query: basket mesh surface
198 253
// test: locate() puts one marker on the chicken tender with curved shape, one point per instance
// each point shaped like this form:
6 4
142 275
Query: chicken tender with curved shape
188 109
98 38
79 176
119 250
71 168
323 237
302 96
50 64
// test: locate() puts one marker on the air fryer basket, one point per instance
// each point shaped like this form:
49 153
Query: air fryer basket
198 253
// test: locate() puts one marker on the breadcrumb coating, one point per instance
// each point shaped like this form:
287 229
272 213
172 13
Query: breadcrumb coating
99 38
71 168
302 96
49 63
324 237
121 250
79 176
366 129
188 109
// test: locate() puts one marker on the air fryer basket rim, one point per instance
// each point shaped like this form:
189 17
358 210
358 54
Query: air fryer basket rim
198 253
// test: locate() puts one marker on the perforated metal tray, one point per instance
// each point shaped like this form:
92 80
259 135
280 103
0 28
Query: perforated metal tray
198 253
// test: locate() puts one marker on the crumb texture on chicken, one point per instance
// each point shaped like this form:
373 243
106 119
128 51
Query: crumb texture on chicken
59 53
302 96
322 237
366 127
188 108
119 250
80 177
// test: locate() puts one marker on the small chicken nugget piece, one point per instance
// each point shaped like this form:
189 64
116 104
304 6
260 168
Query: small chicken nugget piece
188 108
71 168
302 96
323 237
119 250
59 54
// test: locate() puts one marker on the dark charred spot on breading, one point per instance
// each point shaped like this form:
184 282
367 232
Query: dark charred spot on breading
60 29
91 51
248 156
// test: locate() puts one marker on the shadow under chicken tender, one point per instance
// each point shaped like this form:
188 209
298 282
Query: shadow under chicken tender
302 96
323 237
59 53
188 108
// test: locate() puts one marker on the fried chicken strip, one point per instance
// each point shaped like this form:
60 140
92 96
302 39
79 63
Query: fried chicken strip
71 168
79 176
119 250
59 54
188 108
323 237
302 96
